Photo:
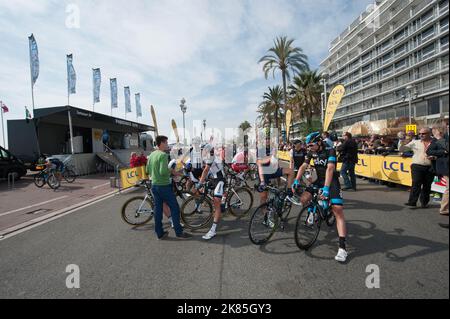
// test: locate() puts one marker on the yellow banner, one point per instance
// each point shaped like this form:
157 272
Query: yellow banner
411 127
132 176
155 124
175 129
333 102
288 123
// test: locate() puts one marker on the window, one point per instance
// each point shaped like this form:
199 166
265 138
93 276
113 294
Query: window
390 114
367 68
386 45
400 49
367 80
430 85
428 51
366 56
445 104
433 106
426 16
421 109
399 35
400 112
387 71
444 43
387 57
443 24
401 64
428 33
381 115
443 4
374 116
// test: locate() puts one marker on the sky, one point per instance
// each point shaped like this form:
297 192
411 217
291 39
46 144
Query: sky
206 51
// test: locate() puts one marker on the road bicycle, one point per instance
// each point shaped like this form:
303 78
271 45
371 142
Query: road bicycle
47 176
310 219
197 212
140 210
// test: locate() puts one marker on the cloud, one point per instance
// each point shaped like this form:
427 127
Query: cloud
204 50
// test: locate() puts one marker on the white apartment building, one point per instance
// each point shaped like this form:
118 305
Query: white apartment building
388 55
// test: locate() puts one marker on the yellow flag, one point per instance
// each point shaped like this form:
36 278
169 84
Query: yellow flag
288 123
333 102
155 124
175 129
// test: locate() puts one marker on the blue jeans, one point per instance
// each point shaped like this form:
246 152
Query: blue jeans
348 169
164 194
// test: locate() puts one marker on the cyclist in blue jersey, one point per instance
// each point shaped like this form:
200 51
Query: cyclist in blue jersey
328 182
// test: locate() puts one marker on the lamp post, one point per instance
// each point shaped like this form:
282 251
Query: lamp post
184 109
324 105
412 90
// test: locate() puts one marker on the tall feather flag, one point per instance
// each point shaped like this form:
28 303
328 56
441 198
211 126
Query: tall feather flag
97 81
155 124
34 59
127 99
71 75
114 104
138 105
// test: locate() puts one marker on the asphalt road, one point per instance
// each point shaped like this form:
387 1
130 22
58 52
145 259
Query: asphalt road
116 261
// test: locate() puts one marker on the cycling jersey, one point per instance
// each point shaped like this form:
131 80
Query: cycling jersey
56 163
298 157
321 161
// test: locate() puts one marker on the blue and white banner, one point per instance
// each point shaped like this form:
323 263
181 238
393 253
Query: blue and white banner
71 75
114 104
127 100
97 81
138 105
34 59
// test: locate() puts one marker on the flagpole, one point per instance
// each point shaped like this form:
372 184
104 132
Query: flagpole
3 124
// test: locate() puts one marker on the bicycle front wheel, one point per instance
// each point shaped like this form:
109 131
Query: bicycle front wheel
307 227
240 201
263 224
197 212
53 181
39 180
137 211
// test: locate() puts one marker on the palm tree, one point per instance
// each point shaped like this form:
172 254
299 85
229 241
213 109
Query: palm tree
245 126
306 94
272 101
285 57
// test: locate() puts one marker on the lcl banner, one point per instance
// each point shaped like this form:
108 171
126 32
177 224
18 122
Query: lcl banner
333 102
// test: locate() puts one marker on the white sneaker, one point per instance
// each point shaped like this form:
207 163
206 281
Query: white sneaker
341 255
210 235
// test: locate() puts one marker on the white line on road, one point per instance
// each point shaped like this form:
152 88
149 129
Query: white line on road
23 208
102 185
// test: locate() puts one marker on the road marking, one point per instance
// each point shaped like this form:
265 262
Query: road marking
102 185
18 229
31 206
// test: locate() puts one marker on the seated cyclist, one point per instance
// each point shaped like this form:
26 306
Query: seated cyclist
55 164
268 169
328 182
213 170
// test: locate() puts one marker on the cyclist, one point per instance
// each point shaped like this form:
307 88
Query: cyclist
213 169
268 169
298 154
57 165
328 181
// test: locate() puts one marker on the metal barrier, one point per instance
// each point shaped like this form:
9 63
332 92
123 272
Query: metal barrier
11 180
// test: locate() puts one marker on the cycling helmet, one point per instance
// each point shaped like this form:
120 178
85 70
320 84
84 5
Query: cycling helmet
296 142
173 164
313 138
188 166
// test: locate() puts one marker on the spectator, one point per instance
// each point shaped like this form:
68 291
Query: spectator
438 150
373 144
349 154
411 135
134 160
105 140
386 146
421 168
329 144
142 159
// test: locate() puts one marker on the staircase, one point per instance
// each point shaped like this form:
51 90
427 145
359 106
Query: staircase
111 159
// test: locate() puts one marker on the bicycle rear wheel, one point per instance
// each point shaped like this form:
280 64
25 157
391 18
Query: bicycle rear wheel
240 201
137 211
263 224
69 176
197 212
307 227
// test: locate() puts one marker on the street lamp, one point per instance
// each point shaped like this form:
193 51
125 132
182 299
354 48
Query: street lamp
184 109
412 90
204 128
324 105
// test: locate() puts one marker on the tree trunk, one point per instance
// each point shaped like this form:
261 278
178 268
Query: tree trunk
283 73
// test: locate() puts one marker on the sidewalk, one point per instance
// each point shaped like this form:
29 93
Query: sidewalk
26 202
